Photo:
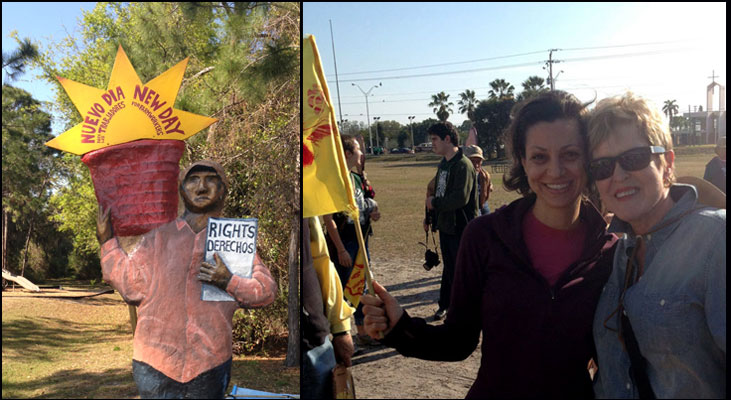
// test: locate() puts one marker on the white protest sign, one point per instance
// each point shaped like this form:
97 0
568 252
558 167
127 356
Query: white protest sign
234 240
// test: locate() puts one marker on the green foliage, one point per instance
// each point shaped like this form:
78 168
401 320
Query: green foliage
492 117
442 105
76 205
27 166
500 90
256 330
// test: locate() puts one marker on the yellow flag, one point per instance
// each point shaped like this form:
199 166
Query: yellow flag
325 178
354 288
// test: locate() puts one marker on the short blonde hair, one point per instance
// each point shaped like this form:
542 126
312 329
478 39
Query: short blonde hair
629 109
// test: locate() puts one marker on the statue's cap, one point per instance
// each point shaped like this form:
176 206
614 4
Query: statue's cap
209 164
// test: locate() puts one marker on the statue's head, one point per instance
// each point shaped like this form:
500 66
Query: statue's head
203 187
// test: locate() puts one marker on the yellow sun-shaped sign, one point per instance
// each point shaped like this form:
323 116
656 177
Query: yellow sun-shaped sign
127 110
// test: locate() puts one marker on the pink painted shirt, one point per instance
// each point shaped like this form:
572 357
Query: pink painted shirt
177 333
551 250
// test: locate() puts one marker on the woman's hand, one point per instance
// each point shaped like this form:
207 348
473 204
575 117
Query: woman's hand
381 313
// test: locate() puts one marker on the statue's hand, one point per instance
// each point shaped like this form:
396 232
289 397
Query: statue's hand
217 275
104 230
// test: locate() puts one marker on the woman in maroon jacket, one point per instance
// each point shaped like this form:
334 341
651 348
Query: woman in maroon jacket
529 275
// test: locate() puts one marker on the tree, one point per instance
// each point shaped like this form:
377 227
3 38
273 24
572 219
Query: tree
420 130
16 61
467 103
388 132
532 86
442 105
492 117
27 166
670 108
678 122
501 89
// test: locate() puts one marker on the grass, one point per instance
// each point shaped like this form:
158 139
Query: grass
57 348
400 185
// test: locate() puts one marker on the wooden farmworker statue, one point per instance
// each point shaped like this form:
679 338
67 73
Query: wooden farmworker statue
182 344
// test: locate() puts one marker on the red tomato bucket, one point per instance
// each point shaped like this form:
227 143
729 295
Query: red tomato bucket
139 181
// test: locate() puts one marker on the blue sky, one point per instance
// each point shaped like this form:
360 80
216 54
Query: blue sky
42 23
661 51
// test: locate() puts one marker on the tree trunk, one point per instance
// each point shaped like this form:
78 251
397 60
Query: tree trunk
5 236
293 346
25 253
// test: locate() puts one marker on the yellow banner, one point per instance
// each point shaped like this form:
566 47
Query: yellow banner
326 186
354 288
127 110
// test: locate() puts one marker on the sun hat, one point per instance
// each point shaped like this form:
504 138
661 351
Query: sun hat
473 151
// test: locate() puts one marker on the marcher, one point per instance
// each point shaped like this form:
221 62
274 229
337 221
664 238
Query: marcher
528 275
324 312
182 344
453 205
660 325
716 168
484 185
341 236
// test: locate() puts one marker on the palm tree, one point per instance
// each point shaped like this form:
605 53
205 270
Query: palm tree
18 60
670 108
531 87
501 89
467 103
442 105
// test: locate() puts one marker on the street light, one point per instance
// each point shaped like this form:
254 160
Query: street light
368 117
411 129
378 144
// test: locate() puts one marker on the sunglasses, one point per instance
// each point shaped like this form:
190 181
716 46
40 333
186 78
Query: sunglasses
631 160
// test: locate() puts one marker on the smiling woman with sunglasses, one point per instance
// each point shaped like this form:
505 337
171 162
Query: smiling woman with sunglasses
660 325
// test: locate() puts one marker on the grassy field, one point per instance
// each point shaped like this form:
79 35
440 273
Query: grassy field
59 348
400 185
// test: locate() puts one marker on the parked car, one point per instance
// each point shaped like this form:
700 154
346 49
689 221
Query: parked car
376 150
402 150
423 147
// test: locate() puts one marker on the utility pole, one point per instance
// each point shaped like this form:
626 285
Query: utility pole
550 63
337 85
411 129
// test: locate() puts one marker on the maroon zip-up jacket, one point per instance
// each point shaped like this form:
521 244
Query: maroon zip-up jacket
537 339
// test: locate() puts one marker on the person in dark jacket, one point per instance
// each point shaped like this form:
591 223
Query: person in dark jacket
453 203
528 275
716 168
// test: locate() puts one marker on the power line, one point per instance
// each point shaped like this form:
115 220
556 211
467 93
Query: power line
445 73
450 91
625 45
647 53
510 56
514 66
441 65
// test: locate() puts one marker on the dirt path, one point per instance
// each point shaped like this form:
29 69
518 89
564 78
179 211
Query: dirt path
381 372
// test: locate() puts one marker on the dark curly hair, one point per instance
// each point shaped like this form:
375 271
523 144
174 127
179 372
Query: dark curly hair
444 129
546 107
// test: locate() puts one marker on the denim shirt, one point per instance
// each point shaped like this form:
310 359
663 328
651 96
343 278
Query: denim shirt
677 309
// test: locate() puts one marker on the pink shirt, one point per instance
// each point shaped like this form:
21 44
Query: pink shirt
551 250
177 333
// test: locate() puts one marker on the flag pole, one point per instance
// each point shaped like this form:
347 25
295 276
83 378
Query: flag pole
366 262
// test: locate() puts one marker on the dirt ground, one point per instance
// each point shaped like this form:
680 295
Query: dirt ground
381 372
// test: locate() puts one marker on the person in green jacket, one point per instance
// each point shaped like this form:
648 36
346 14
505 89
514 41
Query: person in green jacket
454 202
